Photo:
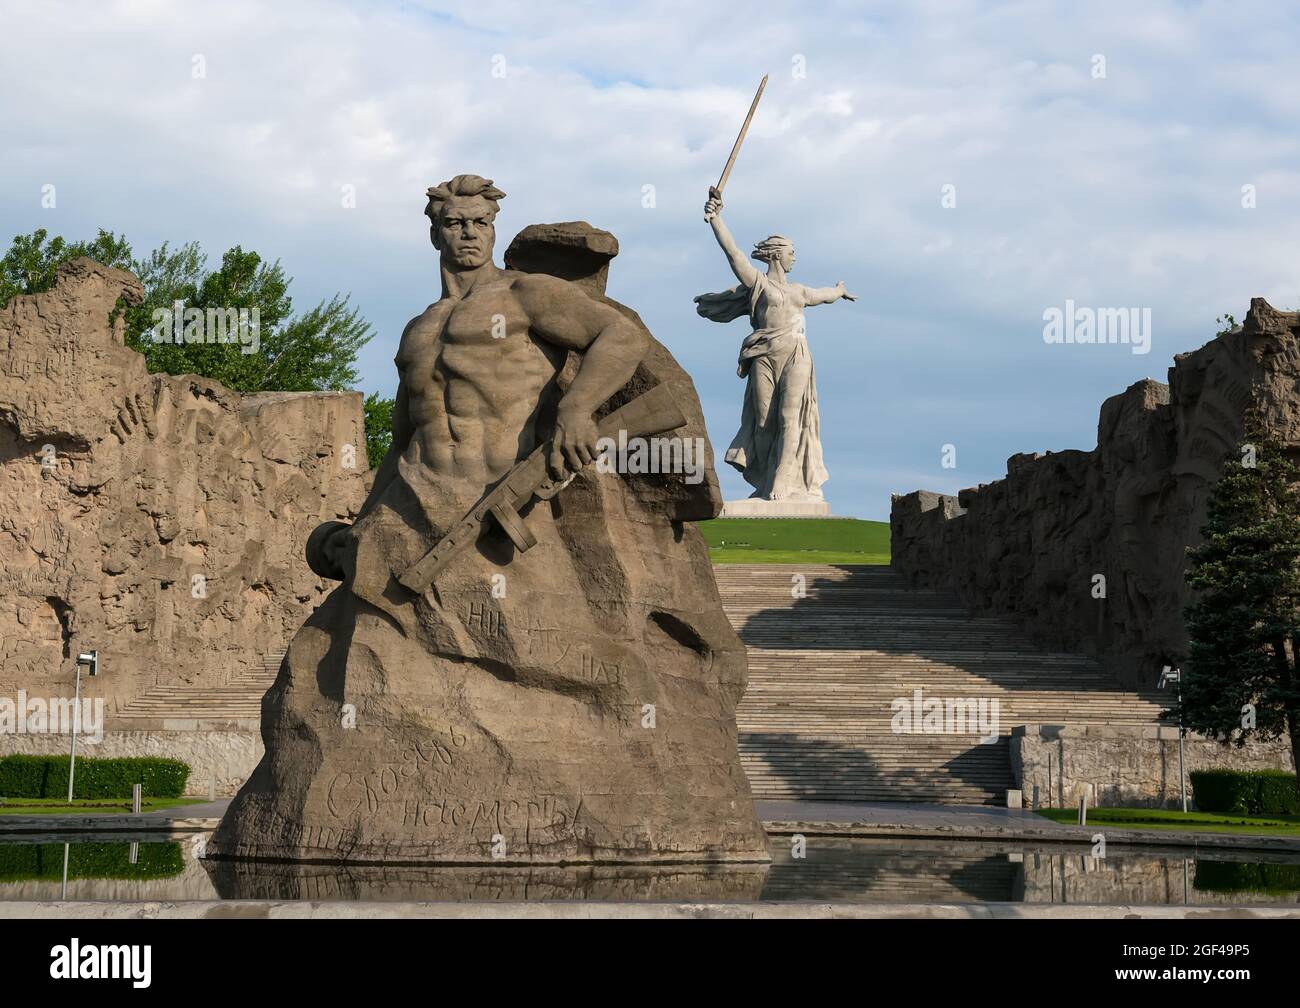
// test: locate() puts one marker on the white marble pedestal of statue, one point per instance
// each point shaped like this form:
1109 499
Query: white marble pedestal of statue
755 507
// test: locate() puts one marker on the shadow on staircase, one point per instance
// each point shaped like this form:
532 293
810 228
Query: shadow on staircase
834 648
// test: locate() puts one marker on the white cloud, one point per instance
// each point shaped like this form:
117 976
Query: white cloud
1119 191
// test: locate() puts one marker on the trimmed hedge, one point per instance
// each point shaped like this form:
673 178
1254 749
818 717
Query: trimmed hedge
1246 876
44 862
1245 792
47 777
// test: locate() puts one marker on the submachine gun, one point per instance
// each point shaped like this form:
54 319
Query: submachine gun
653 412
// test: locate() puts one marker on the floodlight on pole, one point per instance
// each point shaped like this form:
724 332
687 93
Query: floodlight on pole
90 659
1167 676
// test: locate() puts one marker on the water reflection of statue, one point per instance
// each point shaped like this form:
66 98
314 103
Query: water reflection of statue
778 447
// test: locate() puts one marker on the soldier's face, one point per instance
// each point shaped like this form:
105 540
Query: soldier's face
465 233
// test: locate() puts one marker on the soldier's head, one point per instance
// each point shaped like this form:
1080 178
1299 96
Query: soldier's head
775 248
461 212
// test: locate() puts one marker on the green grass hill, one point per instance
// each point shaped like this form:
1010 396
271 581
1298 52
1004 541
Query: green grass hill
796 540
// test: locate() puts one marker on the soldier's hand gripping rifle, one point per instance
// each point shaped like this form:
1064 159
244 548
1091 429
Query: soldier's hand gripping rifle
654 412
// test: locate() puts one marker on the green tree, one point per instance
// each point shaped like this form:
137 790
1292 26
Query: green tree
313 351
31 262
1244 623
379 428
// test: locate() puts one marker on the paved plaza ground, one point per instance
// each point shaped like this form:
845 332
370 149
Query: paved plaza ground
899 820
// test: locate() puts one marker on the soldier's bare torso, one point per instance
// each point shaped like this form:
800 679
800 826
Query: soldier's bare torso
477 382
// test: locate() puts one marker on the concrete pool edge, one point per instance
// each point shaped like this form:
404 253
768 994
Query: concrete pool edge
564 910
1116 836
24 825
1012 832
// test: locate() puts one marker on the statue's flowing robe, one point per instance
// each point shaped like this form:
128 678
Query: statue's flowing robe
778 448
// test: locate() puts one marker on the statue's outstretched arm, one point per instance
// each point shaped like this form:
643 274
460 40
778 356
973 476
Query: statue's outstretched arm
827 295
739 262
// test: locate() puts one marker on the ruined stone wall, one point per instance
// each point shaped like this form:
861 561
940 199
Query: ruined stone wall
118 489
1029 545
1123 765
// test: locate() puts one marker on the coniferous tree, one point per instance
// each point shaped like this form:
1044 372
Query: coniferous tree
1244 623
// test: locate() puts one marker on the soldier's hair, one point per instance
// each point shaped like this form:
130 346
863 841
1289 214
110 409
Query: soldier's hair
461 185
769 248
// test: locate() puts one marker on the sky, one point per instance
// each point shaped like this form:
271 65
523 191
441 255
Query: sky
964 168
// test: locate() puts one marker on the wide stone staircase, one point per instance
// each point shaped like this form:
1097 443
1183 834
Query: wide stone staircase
179 707
826 668
824 671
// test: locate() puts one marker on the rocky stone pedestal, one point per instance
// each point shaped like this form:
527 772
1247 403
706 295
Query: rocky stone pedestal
568 702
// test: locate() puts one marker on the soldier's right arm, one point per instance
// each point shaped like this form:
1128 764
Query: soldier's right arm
328 543
401 438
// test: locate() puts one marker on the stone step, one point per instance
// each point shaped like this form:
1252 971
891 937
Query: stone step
823 670
866 768
1006 706
872 697
238 700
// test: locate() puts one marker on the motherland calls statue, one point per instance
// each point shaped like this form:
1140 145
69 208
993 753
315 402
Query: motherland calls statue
527 661
778 447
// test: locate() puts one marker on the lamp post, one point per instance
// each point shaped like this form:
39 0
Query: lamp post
1173 675
91 660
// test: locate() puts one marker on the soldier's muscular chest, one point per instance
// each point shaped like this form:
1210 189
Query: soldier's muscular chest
481 329
485 318
488 339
